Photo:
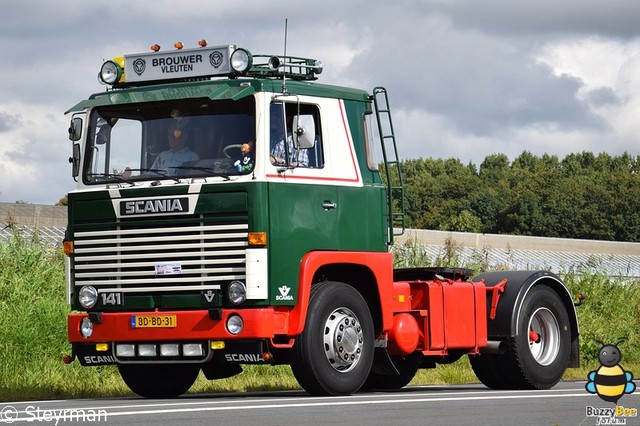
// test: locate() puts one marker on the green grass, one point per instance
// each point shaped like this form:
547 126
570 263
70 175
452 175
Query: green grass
33 314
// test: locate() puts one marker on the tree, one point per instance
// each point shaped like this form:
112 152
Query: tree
63 201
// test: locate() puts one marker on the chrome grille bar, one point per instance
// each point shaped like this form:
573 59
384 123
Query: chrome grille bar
126 259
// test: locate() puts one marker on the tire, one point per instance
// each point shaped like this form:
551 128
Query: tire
538 355
334 353
488 369
407 366
159 380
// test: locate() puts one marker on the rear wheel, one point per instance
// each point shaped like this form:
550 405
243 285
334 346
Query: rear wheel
538 355
159 380
488 370
334 353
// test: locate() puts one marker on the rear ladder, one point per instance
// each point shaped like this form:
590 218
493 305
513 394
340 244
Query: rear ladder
393 173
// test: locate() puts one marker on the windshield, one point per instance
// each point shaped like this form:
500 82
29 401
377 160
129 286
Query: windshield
185 139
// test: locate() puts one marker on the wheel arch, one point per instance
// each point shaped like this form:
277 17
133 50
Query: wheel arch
519 284
360 277
371 274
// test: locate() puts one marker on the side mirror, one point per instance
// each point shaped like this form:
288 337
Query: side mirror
75 129
304 131
75 160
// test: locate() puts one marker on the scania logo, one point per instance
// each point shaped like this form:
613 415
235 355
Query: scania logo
216 59
284 293
243 358
139 66
99 360
166 205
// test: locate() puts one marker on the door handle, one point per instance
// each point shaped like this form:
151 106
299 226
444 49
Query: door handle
329 205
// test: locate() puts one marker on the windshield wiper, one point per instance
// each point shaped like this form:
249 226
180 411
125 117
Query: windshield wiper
117 177
204 169
159 172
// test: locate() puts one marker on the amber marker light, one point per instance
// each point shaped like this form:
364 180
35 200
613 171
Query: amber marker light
178 45
102 347
257 239
155 47
217 345
67 247
202 43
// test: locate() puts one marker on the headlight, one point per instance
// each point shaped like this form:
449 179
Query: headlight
192 349
147 350
88 296
241 61
237 292
235 324
125 350
110 73
86 328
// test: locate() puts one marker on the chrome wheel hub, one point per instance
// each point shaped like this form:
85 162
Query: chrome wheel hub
544 336
343 340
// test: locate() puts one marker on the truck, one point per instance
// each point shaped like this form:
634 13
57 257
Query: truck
232 210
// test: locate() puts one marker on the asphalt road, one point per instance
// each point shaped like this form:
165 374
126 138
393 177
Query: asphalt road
566 404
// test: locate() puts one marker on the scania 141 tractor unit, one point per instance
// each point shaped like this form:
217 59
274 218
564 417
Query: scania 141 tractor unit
232 210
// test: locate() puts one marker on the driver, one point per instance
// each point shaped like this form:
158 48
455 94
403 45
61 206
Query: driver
178 152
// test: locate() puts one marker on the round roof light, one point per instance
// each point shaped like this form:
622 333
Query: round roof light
317 67
241 61
110 73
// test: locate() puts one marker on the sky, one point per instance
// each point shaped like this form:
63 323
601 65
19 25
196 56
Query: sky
466 78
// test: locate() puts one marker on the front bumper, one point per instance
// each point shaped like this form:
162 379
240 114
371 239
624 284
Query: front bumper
259 323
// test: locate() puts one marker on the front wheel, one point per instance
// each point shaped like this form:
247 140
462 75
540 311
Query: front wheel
334 353
159 380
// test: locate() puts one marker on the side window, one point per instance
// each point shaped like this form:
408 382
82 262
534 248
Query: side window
372 141
303 129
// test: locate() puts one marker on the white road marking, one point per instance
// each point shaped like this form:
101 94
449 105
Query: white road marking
186 406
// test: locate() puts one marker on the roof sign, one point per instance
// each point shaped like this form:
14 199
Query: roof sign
179 64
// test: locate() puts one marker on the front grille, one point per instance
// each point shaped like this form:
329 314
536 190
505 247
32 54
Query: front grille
177 255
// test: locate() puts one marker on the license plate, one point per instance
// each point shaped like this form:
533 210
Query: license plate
153 321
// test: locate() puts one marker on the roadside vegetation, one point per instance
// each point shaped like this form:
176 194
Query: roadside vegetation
33 313
582 195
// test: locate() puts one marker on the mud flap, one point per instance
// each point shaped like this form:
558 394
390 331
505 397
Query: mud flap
382 363
88 356
226 362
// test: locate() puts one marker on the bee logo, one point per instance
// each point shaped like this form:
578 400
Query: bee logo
610 381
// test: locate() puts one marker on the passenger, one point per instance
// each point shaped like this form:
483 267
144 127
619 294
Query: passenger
298 157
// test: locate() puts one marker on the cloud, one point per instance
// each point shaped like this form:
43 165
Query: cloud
8 121
465 78
34 163
545 18
482 84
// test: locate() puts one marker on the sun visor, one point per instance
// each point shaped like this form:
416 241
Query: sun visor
232 92
117 97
